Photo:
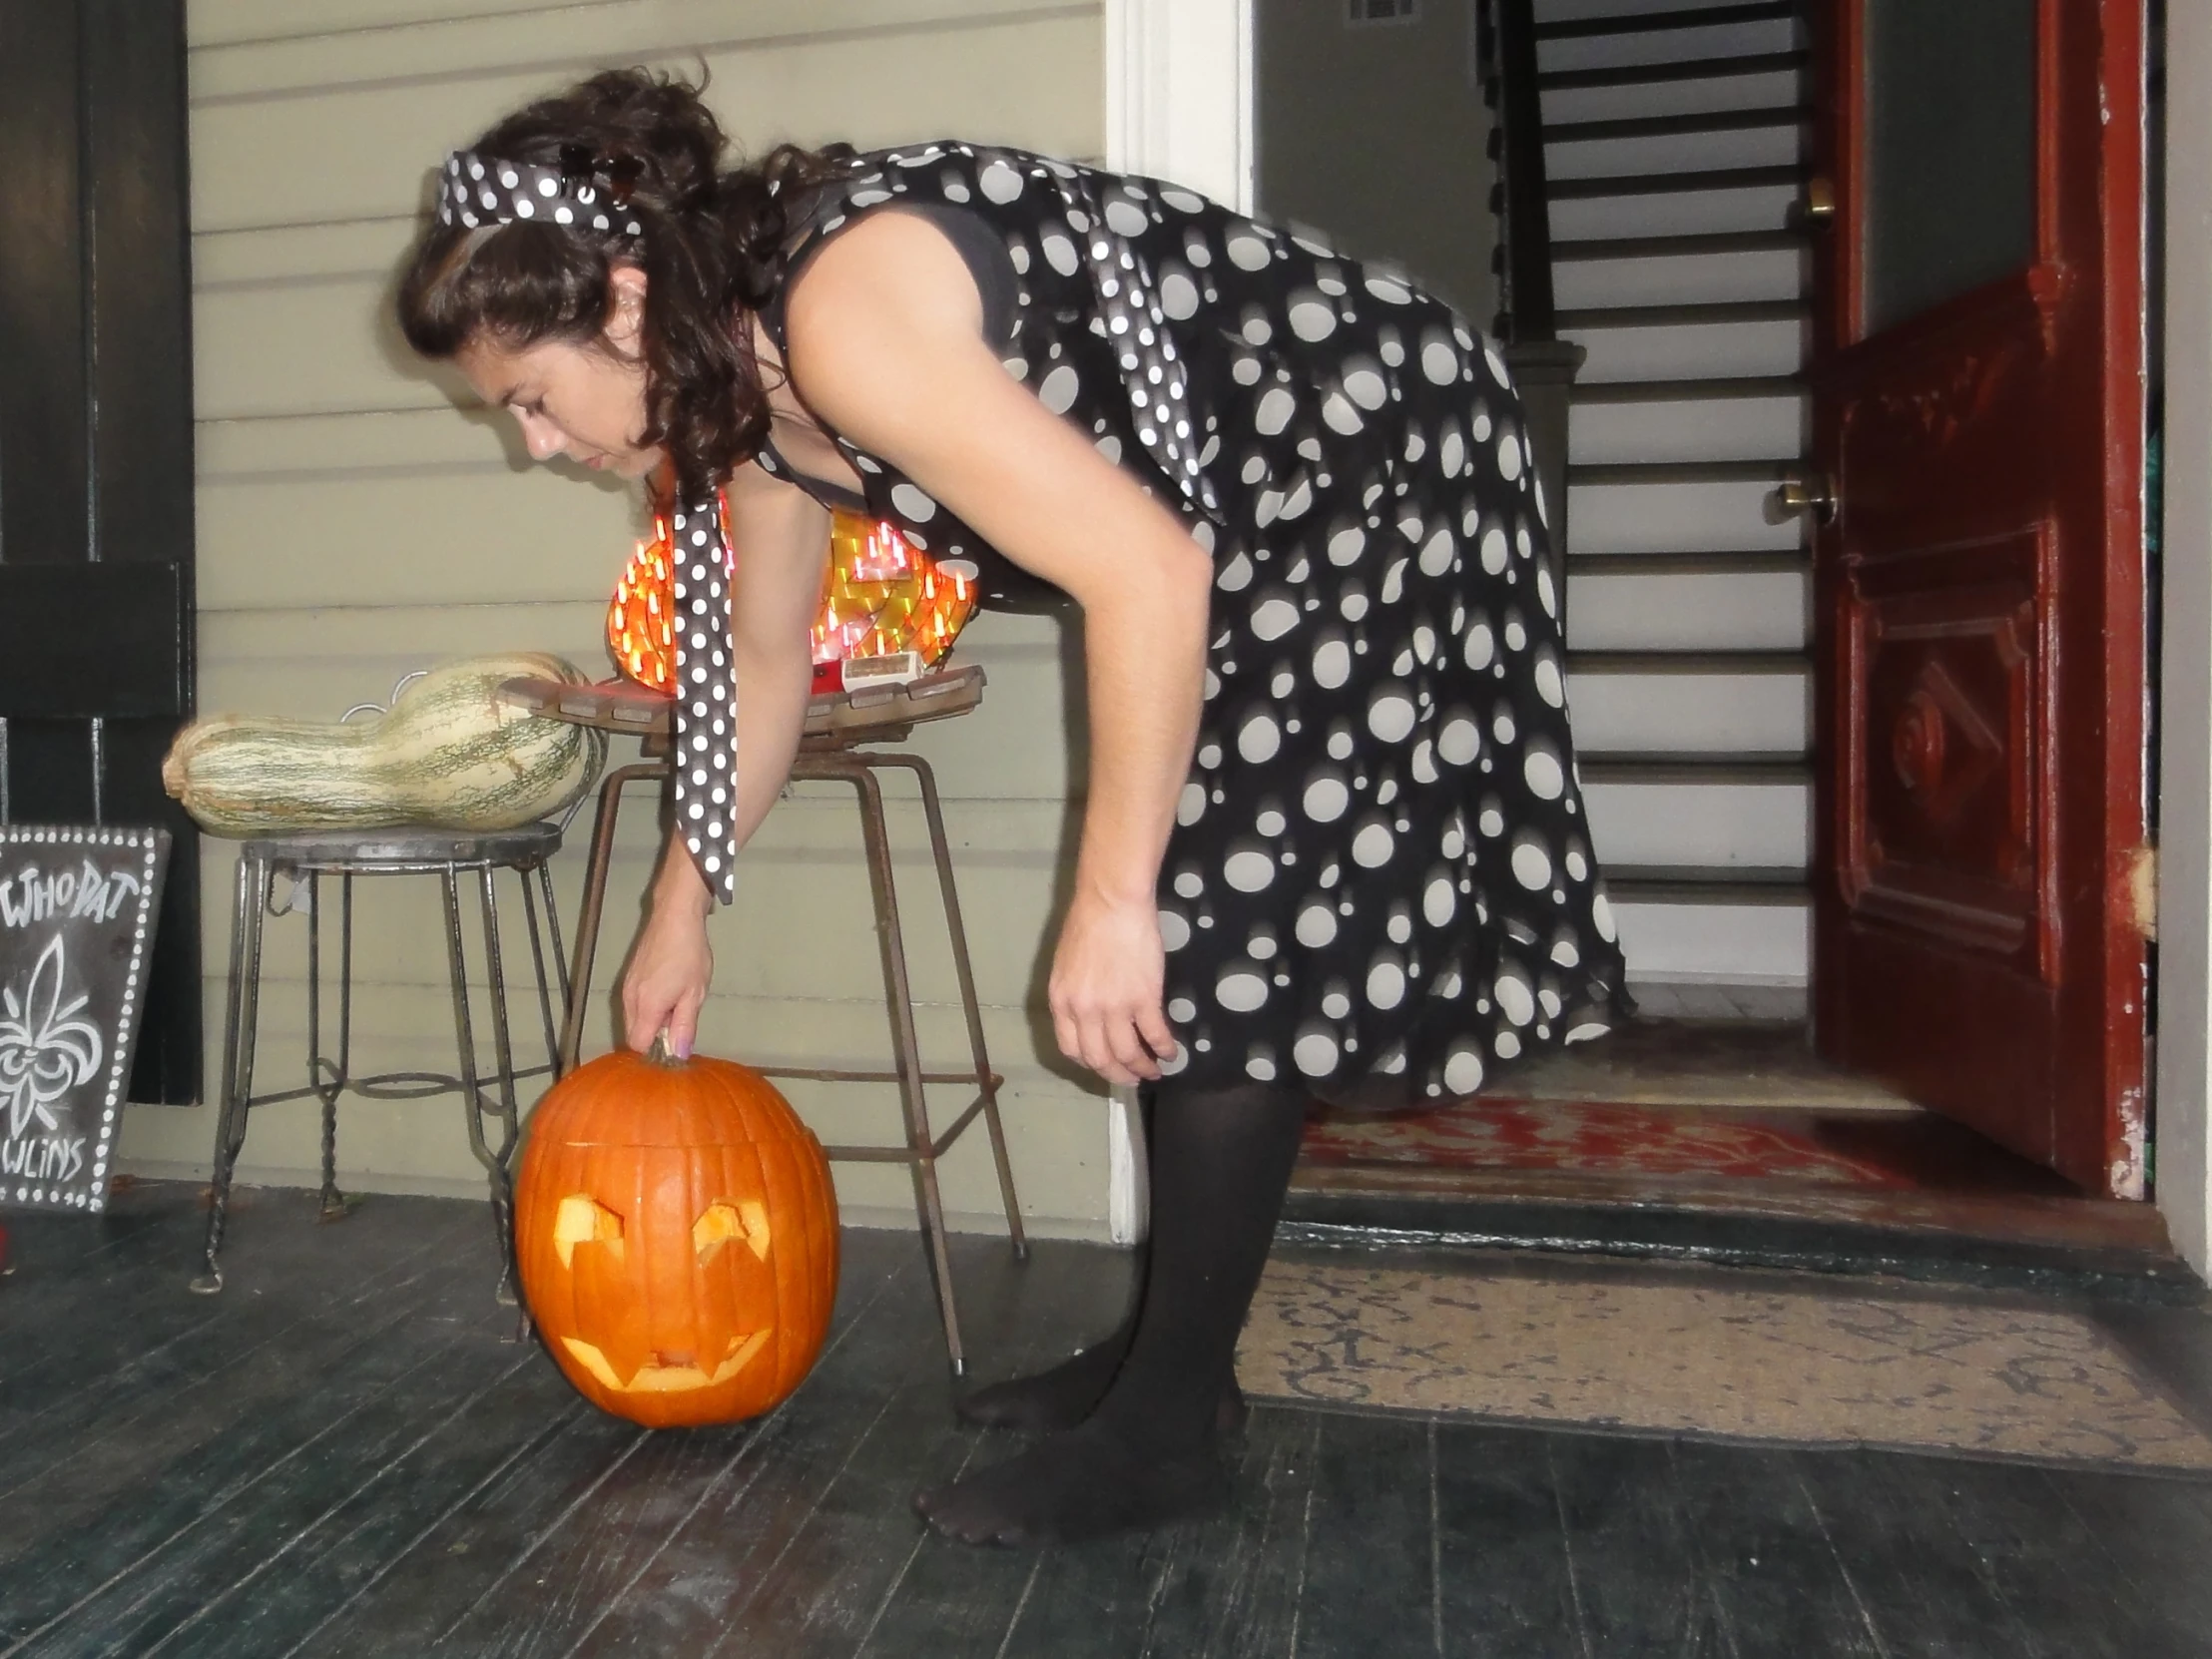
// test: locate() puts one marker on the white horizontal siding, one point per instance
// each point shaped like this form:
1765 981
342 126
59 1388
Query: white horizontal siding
354 523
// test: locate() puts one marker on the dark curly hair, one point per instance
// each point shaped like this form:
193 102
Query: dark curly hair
712 249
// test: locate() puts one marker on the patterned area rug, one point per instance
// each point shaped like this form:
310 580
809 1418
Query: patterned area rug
1586 1137
1750 1362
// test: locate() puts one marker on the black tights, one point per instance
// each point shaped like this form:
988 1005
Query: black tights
1220 1162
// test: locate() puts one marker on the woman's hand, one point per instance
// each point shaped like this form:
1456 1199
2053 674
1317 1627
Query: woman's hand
670 965
1107 974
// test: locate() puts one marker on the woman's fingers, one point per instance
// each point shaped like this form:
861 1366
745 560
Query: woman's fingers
1123 1044
683 1026
1158 1035
1127 1044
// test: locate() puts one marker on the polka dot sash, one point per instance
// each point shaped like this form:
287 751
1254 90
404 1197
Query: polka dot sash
706 697
1135 320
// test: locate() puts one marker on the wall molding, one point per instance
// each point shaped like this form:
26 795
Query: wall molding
2183 1087
1178 107
1179 94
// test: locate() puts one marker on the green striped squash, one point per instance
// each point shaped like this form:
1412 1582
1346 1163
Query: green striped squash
450 755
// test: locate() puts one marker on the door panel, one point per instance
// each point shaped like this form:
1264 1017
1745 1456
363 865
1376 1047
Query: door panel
1950 101
1977 404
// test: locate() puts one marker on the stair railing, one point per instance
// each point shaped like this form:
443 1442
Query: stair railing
1508 56
1544 366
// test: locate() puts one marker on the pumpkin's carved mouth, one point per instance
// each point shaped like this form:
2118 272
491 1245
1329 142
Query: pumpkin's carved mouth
667 1379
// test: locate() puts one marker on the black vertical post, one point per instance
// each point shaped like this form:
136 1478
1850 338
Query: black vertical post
1544 367
96 465
1528 221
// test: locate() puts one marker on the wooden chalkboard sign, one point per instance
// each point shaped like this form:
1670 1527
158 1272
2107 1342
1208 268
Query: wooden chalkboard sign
76 911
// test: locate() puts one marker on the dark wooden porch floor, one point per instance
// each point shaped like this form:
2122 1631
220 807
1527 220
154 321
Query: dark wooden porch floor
341 1455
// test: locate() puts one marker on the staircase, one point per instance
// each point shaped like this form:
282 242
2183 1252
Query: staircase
1673 139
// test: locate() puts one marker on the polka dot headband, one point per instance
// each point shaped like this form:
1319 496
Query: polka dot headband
585 191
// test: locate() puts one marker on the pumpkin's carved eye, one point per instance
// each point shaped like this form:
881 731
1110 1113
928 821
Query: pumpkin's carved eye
582 1218
725 1221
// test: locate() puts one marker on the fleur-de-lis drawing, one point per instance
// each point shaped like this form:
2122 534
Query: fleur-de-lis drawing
44 1050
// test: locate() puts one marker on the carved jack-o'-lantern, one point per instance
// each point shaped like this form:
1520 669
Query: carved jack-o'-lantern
676 1236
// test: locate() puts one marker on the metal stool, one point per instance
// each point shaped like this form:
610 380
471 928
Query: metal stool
307 858
828 753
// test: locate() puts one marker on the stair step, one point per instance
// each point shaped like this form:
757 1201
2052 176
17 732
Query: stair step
1693 150
1699 999
1688 662
1678 472
1619 766
1683 68
1683 316
1564 11
1707 817
1713 388
1632 23
1720 708
1622 607
1675 344
1717 32
1669 126
1683 247
1694 276
1715 88
1671 184
1673 209
1776 885
1631 431
1774 562
1651 515
1706 931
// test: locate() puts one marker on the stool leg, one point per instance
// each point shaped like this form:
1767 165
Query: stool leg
329 1085
240 1010
464 1037
537 962
501 1169
344 1078
495 967
929 1205
594 899
941 849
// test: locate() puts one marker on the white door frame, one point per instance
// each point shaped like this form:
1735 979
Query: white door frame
1179 105
2184 993
1179 94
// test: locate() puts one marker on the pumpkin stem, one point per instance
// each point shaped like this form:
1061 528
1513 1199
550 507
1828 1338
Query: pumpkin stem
662 1055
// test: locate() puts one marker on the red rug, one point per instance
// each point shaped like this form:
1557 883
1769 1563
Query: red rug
1588 1137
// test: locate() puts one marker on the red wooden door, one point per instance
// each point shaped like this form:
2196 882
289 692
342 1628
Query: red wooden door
1978 408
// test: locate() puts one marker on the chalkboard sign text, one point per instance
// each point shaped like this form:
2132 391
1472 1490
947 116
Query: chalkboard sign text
76 911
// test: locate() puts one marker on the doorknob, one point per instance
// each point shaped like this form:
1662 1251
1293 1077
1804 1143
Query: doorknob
1816 207
1811 495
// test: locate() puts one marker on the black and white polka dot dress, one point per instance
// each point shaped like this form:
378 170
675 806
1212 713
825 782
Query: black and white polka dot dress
1381 880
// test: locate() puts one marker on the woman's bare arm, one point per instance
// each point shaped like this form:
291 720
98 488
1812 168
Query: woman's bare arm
782 537
884 347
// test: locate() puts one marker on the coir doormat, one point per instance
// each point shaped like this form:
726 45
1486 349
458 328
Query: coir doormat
1588 1137
1757 1363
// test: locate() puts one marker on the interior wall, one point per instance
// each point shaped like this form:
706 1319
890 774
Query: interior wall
2184 1086
355 523
1377 135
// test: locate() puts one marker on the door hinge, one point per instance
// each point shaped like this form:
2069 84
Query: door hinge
2142 891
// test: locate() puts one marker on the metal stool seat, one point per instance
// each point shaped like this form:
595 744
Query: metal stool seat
347 853
830 753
